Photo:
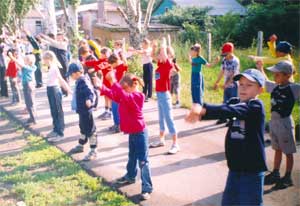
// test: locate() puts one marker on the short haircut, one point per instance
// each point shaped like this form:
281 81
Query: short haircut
83 50
113 59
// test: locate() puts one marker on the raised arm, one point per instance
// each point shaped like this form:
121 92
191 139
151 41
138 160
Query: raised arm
18 62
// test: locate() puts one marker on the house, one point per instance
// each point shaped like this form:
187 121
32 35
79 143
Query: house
112 26
218 7
34 21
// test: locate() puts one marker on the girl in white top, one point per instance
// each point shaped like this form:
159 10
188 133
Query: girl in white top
54 81
146 54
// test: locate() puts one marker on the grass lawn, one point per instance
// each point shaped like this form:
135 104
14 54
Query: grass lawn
42 175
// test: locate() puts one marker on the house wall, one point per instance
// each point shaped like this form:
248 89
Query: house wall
162 7
30 25
106 34
88 18
115 18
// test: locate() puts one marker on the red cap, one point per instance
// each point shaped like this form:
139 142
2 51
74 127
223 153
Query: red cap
228 47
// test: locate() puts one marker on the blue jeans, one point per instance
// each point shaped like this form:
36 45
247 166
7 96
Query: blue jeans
230 92
197 87
138 152
147 77
244 189
164 111
115 108
55 101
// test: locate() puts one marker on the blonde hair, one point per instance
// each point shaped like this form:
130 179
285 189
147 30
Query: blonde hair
30 58
51 56
131 80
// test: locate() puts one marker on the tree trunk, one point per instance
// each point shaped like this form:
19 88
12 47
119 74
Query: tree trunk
50 23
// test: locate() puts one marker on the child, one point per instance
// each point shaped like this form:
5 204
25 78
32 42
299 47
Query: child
55 96
197 80
3 79
12 74
105 67
229 68
120 67
147 67
37 53
284 94
175 77
283 52
244 144
132 122
83 100
162 77
28 68
118 47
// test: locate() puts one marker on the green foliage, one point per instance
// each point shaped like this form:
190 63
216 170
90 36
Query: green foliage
192 34
73 2
5 11
277 16
191 15
225 28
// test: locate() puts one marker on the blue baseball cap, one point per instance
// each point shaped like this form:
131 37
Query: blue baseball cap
74 67
282 66
284 46
253 75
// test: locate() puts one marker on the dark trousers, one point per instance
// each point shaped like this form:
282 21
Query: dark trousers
87 129
138 154
55 101
3 83
38 74
147 77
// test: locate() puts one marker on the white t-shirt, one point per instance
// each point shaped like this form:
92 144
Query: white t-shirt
146 57
53 75
231 68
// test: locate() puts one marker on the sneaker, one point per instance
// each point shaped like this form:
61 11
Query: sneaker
107 116
52 134
283 183
92 155
55 138
30 122
176 106
114 129
145 196
174 149
159 143
221 121
102 115
147 99
272 178
77 149
125 180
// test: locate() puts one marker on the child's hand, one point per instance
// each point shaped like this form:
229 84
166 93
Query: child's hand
88 103
217 59
259 65
273 38
98 83
252 57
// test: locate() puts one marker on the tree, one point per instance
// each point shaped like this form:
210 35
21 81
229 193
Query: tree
133 17
12 12
50 25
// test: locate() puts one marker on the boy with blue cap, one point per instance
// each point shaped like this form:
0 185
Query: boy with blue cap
82 103
244 144
284 94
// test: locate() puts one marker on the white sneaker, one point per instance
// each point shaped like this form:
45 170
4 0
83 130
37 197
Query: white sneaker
56 138
176 106
174 149
52 134
92 155
159 143
145 196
